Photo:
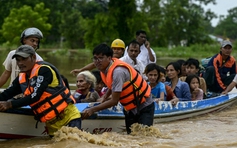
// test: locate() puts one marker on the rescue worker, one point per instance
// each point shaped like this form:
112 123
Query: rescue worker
43 89
126 86
118 47
30 36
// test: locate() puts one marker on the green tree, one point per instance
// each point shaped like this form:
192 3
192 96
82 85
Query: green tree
101 29
89 9
152 15
123 12
121 20
227 26
171 21
74 21
73 29
22 18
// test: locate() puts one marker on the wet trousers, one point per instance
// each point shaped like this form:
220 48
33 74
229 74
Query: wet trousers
145 117
211 81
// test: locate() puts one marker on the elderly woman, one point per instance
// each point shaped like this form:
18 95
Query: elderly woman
86 82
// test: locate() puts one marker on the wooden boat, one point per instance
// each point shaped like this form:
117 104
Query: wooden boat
20 123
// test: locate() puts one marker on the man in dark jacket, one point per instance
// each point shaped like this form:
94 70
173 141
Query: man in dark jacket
221 69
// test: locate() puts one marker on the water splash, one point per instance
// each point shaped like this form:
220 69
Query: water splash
139 129
66 133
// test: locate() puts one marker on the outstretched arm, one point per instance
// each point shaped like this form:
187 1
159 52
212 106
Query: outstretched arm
113 101
229 88
4 77
87 67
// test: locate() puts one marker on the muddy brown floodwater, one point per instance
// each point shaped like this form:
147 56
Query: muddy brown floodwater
215 130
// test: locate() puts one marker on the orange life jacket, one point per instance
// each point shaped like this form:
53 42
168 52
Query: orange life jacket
134 92
53 100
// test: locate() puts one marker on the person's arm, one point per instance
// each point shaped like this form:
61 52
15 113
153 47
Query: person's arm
46 77
106 96
151 55
87 67
112 102
120 76
11 91
175 100
4 77
9 67
229 88
185 91
92 97
199 95
162 96
160 87
203 85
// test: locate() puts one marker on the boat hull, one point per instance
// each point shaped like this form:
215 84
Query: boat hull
20 123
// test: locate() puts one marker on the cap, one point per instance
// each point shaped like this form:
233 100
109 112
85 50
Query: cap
225 43
24 51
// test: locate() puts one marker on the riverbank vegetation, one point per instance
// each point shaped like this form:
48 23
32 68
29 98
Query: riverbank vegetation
198 51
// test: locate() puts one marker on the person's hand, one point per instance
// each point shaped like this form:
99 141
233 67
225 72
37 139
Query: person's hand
5 105
147 44
101 100
224 93
196 91
75 71
157 100
174 101
87 113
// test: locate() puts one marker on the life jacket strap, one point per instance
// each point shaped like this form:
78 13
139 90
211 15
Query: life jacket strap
53 107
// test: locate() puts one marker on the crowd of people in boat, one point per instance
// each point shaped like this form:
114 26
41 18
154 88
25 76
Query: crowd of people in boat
181 80
128 75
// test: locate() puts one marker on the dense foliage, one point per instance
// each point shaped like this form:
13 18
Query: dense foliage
13 24
86 23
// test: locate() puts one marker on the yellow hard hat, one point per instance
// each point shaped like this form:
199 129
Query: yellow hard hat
118 43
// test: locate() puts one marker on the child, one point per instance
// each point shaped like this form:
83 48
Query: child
192 67
194 83
152 72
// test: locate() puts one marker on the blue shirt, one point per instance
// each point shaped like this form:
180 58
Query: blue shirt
182 90
159 88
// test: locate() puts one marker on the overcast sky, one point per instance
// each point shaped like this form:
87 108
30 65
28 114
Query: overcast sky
221 8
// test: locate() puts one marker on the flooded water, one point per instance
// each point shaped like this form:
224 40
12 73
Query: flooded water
215 130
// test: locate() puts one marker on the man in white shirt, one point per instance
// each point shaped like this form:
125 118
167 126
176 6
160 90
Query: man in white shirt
131 58
147 55
30 36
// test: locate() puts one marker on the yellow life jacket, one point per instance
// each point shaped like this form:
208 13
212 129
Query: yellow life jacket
54 99
134 92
